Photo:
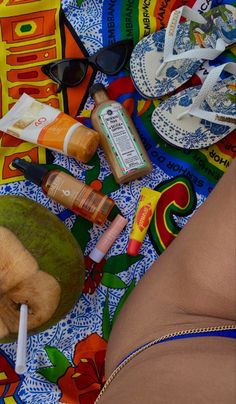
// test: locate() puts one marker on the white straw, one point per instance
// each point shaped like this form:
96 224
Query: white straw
20 366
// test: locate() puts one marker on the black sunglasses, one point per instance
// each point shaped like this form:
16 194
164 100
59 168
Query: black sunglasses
71 72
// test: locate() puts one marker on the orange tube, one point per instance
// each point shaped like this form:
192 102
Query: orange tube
49 127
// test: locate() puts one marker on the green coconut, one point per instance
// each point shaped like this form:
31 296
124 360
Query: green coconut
51 244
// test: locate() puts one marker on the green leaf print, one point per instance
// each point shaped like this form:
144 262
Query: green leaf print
60 365
120 263
122 301
80 231
112 281
93 173
109 184
106 322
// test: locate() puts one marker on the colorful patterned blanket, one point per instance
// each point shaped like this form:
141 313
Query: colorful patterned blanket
66 362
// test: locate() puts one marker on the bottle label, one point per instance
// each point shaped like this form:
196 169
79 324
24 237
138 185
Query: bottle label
67 190
121 138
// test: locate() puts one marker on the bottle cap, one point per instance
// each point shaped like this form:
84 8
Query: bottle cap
133 247
32 172
96 255
95 88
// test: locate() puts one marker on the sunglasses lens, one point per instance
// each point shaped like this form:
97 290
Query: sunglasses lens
110 61
69 72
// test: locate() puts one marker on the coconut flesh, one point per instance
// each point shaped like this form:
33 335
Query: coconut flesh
21 281
41 265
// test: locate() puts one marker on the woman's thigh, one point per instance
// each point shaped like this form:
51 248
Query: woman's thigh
193 371
192 284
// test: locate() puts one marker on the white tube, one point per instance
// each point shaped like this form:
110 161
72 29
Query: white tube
20 366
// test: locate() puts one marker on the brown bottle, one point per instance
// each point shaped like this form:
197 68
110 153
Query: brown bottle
119 138
68 191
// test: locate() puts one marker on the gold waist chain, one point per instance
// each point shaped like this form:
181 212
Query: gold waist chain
154 342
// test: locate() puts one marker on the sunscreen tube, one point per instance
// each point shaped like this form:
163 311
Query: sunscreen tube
41 124
146 206
108 238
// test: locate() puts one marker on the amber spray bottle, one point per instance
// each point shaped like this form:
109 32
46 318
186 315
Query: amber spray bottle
119 138
68 191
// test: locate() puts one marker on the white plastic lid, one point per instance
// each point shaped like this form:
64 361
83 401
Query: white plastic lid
96 255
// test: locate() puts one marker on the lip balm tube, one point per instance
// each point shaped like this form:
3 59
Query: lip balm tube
108 238
146 207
